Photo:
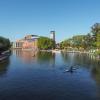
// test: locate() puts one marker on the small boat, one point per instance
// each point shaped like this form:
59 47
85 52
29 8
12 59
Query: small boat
71 69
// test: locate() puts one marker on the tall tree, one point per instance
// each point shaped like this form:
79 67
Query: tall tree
96 34
4 44
45 43
98 41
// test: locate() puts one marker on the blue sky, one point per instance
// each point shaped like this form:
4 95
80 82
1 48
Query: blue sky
66 17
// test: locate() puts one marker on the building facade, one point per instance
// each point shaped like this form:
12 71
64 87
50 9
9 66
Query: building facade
28 42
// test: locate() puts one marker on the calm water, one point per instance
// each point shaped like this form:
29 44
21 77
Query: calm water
43 77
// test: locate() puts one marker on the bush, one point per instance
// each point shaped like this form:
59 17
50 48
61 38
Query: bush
45 43
4 44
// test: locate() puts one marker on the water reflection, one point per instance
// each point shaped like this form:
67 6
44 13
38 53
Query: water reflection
46 58
85 61
30 76
25 55
79 59
95 71
42 58
4 66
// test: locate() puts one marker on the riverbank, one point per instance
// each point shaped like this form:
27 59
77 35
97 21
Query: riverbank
95 54
59 51
51 50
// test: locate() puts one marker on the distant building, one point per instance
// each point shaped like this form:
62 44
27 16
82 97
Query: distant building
28 42
52 35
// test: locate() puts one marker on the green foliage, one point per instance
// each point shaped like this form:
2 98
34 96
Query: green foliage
78 41
89 41
45 43
95 29
4 44
98 40
96 34
75 42
64 44
97 53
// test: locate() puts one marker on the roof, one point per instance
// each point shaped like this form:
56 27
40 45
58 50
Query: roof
30 40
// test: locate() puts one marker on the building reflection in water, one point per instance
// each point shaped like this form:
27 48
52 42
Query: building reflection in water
26 55
4 66
37 57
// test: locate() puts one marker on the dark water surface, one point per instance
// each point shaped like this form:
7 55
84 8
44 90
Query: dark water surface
43 77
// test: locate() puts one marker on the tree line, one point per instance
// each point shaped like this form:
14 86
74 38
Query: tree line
4 44
86 42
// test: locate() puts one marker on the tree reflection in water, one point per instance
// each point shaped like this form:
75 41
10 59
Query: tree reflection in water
25 55
25 79
42 58
4 66
47 58
95 71
85 61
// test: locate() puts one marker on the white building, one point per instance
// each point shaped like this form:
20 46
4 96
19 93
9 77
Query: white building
52 35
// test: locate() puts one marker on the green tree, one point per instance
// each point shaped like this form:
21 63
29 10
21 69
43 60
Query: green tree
95 29
45 43
4 44
98 41
89 41
66 43
96 34
78 41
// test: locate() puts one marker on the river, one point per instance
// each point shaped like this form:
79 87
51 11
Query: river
43 77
